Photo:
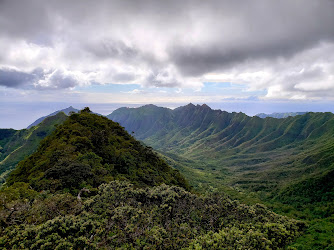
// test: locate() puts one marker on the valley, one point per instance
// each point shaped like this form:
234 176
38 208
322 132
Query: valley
246 152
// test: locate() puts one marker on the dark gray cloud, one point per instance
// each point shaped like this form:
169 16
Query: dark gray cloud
195 61
26 20
37 79
123 78
270 30
162 79
57 80
14 79
103 49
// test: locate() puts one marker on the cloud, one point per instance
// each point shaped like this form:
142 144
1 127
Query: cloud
285 48
58 79
12 78
39 79
134 91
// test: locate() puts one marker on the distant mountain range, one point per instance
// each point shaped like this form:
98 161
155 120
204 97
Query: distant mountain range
211 141
280 115
214 147
67 111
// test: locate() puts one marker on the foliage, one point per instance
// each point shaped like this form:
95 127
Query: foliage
161 217
67 111
22 143
310 190
249 153
88 150
5 136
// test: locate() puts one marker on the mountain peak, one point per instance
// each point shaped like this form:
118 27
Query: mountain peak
150 106
205 106
66 111
190 105
89 149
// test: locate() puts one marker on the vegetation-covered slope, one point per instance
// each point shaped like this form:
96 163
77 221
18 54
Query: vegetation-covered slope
5 136
88 150
246 152
18 144
67 111
119 216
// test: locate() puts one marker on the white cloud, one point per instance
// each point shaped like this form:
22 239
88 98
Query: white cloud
272 46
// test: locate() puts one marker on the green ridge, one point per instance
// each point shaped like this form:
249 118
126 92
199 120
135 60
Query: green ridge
22 143
251 153
88 150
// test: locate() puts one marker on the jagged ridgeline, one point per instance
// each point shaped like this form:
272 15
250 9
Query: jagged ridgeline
88 150
235 149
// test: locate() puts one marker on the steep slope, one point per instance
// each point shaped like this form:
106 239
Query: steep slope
145 120
246 152
5 136
67 111
88 150
22 143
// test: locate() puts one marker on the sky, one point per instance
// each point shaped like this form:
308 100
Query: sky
249 56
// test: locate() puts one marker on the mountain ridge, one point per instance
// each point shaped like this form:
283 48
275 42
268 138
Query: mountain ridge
89 149
24 142
67 111
233 140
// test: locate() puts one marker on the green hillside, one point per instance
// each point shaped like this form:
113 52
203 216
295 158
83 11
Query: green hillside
16 145
67 111
247 152
5 136
88 150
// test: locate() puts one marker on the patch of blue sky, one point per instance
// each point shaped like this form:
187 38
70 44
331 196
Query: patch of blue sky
231 89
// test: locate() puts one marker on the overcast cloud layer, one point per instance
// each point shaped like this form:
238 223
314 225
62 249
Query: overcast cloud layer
283 47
